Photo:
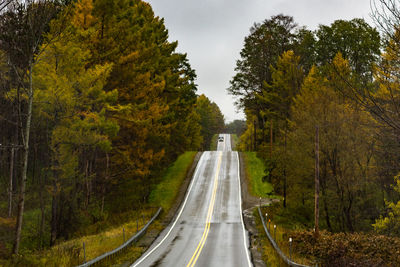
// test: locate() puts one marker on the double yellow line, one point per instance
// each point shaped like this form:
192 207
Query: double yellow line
203 239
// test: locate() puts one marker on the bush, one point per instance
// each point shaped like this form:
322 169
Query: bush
345 249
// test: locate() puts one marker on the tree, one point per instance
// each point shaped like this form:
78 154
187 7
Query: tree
346 149
22 30
265 43
236 127
74 101
357 41
156 90
390 223
211 119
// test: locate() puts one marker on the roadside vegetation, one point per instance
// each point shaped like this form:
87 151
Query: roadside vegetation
329 99
110 235
214 142
234 141
95 105
255 171
165 193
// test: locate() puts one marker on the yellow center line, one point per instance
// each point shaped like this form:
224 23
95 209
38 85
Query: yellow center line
203 239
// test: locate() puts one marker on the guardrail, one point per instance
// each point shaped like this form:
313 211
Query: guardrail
118 250
273 243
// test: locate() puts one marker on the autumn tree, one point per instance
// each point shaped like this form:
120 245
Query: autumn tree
211 120
262 47
22 29
346 150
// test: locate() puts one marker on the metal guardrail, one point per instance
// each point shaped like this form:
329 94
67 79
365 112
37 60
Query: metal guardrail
273 243
118 250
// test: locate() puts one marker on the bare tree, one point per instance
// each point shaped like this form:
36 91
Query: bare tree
22 28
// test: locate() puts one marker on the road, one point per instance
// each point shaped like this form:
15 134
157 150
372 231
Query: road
208 229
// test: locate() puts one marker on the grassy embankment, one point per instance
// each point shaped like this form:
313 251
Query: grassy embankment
257 187
70 253
166 192
214 142
255 172
234 141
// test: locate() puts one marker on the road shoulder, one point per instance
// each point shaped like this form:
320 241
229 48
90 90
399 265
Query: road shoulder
249 202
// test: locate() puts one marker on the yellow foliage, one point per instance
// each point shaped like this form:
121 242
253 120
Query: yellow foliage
82 16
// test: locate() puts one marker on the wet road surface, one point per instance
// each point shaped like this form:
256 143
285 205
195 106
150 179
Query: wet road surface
208 229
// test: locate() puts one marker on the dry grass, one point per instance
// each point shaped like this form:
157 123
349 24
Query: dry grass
281 236
70 253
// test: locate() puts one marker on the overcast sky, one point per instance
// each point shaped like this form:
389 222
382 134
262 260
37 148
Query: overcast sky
212 32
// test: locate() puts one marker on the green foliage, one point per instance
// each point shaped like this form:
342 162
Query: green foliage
234 141
236 127
114 106
211 119
346 150
214 142
357 41
265 43
390 223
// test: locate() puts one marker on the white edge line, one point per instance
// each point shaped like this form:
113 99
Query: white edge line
176 219
241 214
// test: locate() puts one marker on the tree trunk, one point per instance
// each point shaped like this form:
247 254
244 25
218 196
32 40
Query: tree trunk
316 208
105 181
54 217
270 141
10 187
42 182
87 184
284 174
25 140
255 136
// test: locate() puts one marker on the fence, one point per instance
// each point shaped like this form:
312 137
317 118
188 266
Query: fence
273 243
121 248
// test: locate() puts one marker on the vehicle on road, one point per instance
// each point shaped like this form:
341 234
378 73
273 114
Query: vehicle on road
221 139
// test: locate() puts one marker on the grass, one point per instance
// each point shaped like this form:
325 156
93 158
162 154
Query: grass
234 141
70 253
255 173
214 142
281 236
166 192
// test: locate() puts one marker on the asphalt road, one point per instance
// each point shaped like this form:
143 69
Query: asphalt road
208 229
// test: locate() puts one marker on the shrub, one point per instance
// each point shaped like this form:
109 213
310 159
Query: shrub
349 249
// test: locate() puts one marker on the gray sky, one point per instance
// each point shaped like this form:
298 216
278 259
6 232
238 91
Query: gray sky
212 32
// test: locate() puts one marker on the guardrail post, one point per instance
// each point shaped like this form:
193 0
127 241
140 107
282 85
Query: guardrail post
275 232
137 225
84 253
123 233
290 248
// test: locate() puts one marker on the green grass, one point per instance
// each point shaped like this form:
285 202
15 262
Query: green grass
255 173
214 142
234 141
166 192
